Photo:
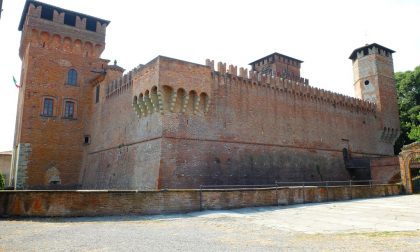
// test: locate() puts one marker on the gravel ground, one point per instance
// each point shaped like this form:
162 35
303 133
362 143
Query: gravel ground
382 224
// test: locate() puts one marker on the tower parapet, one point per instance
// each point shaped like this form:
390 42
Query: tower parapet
58 28
279 65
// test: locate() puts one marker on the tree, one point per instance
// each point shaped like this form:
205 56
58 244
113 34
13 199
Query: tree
408 91
1 181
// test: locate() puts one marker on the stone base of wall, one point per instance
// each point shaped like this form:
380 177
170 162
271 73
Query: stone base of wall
102 203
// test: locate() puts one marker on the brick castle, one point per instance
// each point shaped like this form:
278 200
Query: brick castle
82 123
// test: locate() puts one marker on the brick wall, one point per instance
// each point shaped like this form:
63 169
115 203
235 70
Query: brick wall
256 133
49 49
97 203
248 133
385 169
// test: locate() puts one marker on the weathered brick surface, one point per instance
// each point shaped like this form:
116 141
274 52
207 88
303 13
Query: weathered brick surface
97 203
385 169
176 124
49 49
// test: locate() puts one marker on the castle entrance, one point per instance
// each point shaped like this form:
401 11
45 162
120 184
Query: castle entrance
410 167
415 175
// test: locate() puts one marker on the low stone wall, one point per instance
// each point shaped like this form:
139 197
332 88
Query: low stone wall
100 203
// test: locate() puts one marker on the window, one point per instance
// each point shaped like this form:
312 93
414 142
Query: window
47 12
87 139
48 107
97 93
72 77
70 19
91 24
69 109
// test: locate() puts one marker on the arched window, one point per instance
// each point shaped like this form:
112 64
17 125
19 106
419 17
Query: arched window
72 77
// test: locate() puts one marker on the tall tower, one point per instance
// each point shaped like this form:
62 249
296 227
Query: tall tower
373 72
279 65
60 52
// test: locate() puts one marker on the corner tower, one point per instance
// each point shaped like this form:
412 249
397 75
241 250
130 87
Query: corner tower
373 72
279 65
60 52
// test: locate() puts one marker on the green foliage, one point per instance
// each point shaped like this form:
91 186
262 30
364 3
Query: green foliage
2 182
408 90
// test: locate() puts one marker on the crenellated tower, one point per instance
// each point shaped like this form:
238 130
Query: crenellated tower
60 52
373 72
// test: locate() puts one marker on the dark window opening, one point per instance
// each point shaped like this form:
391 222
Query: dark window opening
48 107
54 182
87 139
47 13
72 77
345 154
91 24
97 93
366 82
69 109
70 19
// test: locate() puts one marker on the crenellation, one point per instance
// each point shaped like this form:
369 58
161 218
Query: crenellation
243 72
233 70
80 22
58 17
221 67
34 11
210 63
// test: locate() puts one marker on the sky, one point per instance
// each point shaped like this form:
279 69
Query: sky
321 33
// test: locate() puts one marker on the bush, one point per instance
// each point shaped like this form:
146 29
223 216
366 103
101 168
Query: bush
1 182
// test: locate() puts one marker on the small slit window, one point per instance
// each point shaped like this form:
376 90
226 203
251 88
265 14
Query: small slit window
69 109
97 94
86 139
72 77
48 107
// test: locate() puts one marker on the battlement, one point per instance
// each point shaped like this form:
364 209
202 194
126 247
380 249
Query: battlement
297 88
50 27
370 50
59 15
120 85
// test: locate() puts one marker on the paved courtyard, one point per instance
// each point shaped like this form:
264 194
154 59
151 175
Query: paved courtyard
381 224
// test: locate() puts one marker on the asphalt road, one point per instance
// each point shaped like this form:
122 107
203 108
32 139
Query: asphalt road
381 224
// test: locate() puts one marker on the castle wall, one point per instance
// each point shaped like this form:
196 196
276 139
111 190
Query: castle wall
124 152
385 169
257 133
